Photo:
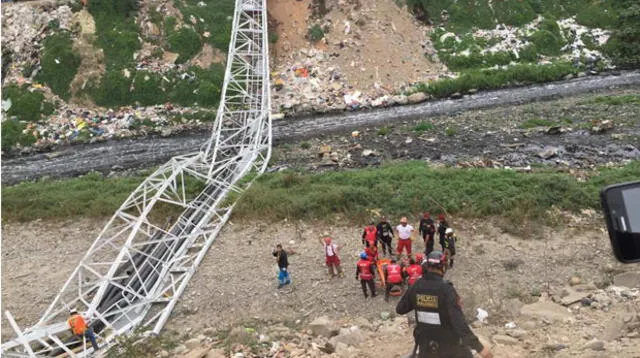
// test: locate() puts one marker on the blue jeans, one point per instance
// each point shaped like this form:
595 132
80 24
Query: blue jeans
283 276
92 337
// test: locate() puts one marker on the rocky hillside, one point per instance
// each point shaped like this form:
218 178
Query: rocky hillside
89 71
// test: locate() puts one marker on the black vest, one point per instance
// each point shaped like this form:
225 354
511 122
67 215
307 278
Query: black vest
431 311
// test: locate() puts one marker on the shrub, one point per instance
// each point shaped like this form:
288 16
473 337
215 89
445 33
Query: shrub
315 33
273 37
624 44
513 12
185 42
546 42
217 19
147 88
26 105
305 145
116 30
529 53
12 135
113 89
59 63
384 131
423 127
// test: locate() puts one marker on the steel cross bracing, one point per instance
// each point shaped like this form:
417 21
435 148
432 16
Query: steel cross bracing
142 261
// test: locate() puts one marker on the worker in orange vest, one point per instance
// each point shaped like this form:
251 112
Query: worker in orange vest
365 272
414 270
370 235
372 252
79 327
392 277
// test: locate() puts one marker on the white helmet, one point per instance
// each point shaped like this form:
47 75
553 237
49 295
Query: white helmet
449 231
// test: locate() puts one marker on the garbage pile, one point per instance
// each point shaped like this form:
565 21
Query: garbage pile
25 27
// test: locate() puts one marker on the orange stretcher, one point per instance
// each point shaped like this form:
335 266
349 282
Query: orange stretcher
380 264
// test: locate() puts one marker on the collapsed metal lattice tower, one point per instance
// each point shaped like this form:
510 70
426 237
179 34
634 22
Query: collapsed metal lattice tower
142 261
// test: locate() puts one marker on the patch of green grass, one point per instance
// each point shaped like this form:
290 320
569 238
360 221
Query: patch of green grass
26 104
12 134
466 192
273 37
492 79
624 44
59 63
315 33
547 43
617 100
305 145
536 122
384 131
186 42
116 31
450 131
513 12
216 17
423 127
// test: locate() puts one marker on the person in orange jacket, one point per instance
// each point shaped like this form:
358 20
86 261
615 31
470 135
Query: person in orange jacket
414 270
372 252
392 277
365 271
370 235
80 328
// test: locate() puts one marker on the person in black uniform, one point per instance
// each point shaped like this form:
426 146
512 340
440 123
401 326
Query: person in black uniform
428 230
443 225
441 330
385 234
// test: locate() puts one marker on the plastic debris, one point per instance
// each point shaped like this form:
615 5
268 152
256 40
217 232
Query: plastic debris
482 315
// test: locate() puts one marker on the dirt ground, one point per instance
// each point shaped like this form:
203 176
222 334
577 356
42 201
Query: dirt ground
356 34
236 283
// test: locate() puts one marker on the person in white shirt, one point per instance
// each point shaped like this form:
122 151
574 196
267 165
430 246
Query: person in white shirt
404 236
331 257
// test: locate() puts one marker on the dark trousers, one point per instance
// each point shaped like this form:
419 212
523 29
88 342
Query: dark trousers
388 288
442 242
92 338
449 353
429 245
386 244
372 287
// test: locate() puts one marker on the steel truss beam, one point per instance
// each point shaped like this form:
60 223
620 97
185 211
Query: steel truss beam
140 264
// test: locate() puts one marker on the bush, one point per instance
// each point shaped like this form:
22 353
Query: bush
315 33
12 135
185 42
217 19
113 89
59 63
116 30
513 12
147 88
26 105
546 43
529 53
624 45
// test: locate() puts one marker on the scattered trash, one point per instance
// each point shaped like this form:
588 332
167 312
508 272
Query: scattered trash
482 315
510 325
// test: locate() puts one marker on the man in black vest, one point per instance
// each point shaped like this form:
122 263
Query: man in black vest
441 330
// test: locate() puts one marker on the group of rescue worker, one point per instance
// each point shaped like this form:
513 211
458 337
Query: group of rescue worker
441 329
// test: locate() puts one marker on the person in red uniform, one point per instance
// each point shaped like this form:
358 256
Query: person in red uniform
392 277
372 252
414 270
331 257
370 235
365 271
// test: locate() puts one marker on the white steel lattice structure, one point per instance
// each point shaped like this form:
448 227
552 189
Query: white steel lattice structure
140 264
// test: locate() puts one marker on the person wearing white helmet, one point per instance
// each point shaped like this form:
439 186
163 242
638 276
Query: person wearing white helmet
80 328
450 245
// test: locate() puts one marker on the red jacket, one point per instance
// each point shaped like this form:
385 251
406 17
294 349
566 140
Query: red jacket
364 270
414 272
372 253
370 234
394 273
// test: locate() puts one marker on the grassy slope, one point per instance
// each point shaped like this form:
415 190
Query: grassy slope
396 189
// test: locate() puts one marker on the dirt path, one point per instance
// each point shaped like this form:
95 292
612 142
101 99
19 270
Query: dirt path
235 283
146 152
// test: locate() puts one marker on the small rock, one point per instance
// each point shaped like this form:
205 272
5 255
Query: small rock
595 345
456 95
400 99
548 152
417 97
385 315
516 333
349 336
181 348
367 152
504 340
554 347
627 279
323 326
192 343
545 310
238 355
163 354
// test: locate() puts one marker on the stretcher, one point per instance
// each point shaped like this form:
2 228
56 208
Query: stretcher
380 264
